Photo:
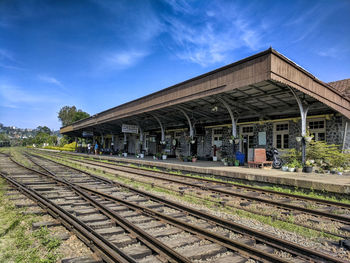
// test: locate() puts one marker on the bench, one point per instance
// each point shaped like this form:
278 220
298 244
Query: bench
259 159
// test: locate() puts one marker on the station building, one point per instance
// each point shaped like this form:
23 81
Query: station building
265 100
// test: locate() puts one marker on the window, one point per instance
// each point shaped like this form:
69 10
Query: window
282 127
178 134
247 129
217 137
281 135
247 133
317 128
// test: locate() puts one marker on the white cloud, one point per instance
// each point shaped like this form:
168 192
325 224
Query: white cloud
308 23
212 38
123 59
180 6
136 27
5 54
336 52
8 61
13 97
50 80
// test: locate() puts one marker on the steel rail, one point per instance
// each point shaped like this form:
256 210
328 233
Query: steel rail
226 242
271 240
242 208
105 249
317 200
230 244
143 236
334 217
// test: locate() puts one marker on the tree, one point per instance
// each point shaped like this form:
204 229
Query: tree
67 115
79 115
43 129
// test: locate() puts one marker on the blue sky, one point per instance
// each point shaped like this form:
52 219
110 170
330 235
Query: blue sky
96 54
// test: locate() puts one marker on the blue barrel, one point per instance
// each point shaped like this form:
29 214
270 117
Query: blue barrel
240 157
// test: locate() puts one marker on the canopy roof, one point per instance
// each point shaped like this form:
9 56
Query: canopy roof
343 86
256 88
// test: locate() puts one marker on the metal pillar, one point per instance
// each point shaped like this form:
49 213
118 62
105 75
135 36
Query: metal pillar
112 143
303 113
141 138
234 123
161 127
76 144
344 137
102 141
125 142
191 131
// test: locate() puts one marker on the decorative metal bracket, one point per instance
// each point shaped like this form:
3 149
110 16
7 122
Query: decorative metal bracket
161 127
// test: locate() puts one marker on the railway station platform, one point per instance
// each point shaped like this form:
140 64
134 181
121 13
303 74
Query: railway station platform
321 182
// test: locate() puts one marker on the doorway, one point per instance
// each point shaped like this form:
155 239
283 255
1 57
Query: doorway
247 146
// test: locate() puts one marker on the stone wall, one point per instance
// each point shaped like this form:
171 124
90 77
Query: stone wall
335 130
334 135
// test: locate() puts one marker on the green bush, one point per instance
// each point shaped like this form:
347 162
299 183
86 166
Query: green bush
67 147
327 156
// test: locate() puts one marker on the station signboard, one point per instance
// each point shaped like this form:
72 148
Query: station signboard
129 128
88 134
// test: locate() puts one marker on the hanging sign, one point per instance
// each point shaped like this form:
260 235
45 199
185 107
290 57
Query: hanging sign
88 134
129 128
262 138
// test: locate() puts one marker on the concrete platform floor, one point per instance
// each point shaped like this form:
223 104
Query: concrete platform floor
324 182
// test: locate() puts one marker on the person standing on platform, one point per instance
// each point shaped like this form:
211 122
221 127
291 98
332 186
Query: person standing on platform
96 148
89 148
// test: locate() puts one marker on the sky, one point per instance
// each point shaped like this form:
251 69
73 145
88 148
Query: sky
97 54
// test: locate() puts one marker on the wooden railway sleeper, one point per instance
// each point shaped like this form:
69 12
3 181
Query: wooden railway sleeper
266 238
103 245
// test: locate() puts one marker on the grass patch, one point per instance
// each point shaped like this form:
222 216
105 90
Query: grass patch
210 204
17 242
322 195
295 191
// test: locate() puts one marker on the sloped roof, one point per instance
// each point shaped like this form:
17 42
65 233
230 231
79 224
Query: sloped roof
258 85
343 86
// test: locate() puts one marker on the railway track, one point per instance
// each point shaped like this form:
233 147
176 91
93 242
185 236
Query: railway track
321 212
250 237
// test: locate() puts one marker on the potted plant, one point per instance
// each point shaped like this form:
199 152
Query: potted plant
285 167
298 167
224 160
308 166
194 158
157 156
232 138
308 137
291 167
340 170
230 161
235 139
